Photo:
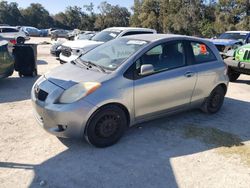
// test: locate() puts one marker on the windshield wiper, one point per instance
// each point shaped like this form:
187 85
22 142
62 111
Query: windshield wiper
90 65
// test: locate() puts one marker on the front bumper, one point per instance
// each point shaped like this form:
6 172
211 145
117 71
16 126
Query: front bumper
231 62
68 59
55 52
61 120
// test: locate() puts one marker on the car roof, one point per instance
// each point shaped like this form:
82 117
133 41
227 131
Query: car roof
156 37
245 32
128 29
11 27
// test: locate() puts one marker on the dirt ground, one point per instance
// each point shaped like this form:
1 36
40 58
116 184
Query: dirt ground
190 149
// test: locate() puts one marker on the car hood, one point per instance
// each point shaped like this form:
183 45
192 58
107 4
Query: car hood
225 42
81 43
67 75
245 46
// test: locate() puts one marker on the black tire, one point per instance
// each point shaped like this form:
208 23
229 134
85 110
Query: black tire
33 74
215 101
20 40
20 75
232 75
106 126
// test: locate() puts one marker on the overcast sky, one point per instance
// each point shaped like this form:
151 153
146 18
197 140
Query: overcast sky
55 6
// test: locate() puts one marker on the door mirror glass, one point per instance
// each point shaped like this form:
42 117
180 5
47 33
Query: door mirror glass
146 69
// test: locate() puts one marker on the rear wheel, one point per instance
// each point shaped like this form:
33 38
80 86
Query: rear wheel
20 40
233 76
215 101
106 126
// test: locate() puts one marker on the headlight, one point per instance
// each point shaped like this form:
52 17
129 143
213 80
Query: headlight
78 91
241 51
59 47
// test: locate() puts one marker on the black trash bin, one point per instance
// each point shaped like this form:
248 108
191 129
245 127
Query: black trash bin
25 59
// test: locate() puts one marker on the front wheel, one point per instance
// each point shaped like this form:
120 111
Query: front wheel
215 101
232 75
106 126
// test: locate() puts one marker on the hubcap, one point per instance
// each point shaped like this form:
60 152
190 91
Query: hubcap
215 100
107 126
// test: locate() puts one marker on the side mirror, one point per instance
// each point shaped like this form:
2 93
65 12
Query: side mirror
147 69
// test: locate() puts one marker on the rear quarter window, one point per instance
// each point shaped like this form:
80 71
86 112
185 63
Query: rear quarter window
202 53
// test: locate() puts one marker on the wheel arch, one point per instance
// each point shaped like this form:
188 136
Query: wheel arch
223 85
121 106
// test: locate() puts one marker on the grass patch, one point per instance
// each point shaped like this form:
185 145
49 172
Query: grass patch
228 144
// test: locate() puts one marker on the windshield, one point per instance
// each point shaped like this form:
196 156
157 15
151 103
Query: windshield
105 36
112 54
85 36
234 36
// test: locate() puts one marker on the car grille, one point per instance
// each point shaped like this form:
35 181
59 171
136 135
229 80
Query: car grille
221 48
40 94
247 55
66 51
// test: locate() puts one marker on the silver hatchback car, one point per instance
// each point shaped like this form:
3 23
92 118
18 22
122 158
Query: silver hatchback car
127 81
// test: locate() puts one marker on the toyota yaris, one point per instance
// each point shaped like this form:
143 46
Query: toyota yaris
127 81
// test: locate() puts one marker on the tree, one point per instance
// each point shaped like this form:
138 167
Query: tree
134 19
36 15
10 14
150 13
110 16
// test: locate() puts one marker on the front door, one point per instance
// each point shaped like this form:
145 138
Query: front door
169 86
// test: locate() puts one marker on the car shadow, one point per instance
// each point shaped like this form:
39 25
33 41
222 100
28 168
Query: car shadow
10 86
243 81
145 156
42 62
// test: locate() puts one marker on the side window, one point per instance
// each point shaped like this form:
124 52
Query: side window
8 30
136 33
163 57
202 53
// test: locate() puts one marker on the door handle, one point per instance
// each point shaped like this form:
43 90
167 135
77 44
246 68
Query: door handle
189 74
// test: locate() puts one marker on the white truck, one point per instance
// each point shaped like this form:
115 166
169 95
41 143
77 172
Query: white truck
71 50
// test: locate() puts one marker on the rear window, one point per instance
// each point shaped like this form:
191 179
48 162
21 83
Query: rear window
137 33
202 53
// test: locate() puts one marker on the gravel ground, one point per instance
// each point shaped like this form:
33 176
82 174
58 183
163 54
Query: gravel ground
190 149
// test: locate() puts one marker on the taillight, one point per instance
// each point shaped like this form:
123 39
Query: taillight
13 41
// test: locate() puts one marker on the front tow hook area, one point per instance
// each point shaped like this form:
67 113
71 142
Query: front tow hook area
59 128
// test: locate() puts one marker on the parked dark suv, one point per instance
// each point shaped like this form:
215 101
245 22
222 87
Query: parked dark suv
6 60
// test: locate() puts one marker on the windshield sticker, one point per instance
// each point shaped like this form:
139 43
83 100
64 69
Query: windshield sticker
137 42
113 35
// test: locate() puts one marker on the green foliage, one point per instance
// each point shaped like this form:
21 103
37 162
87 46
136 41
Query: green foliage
205 18
192 17
36 15
110 16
